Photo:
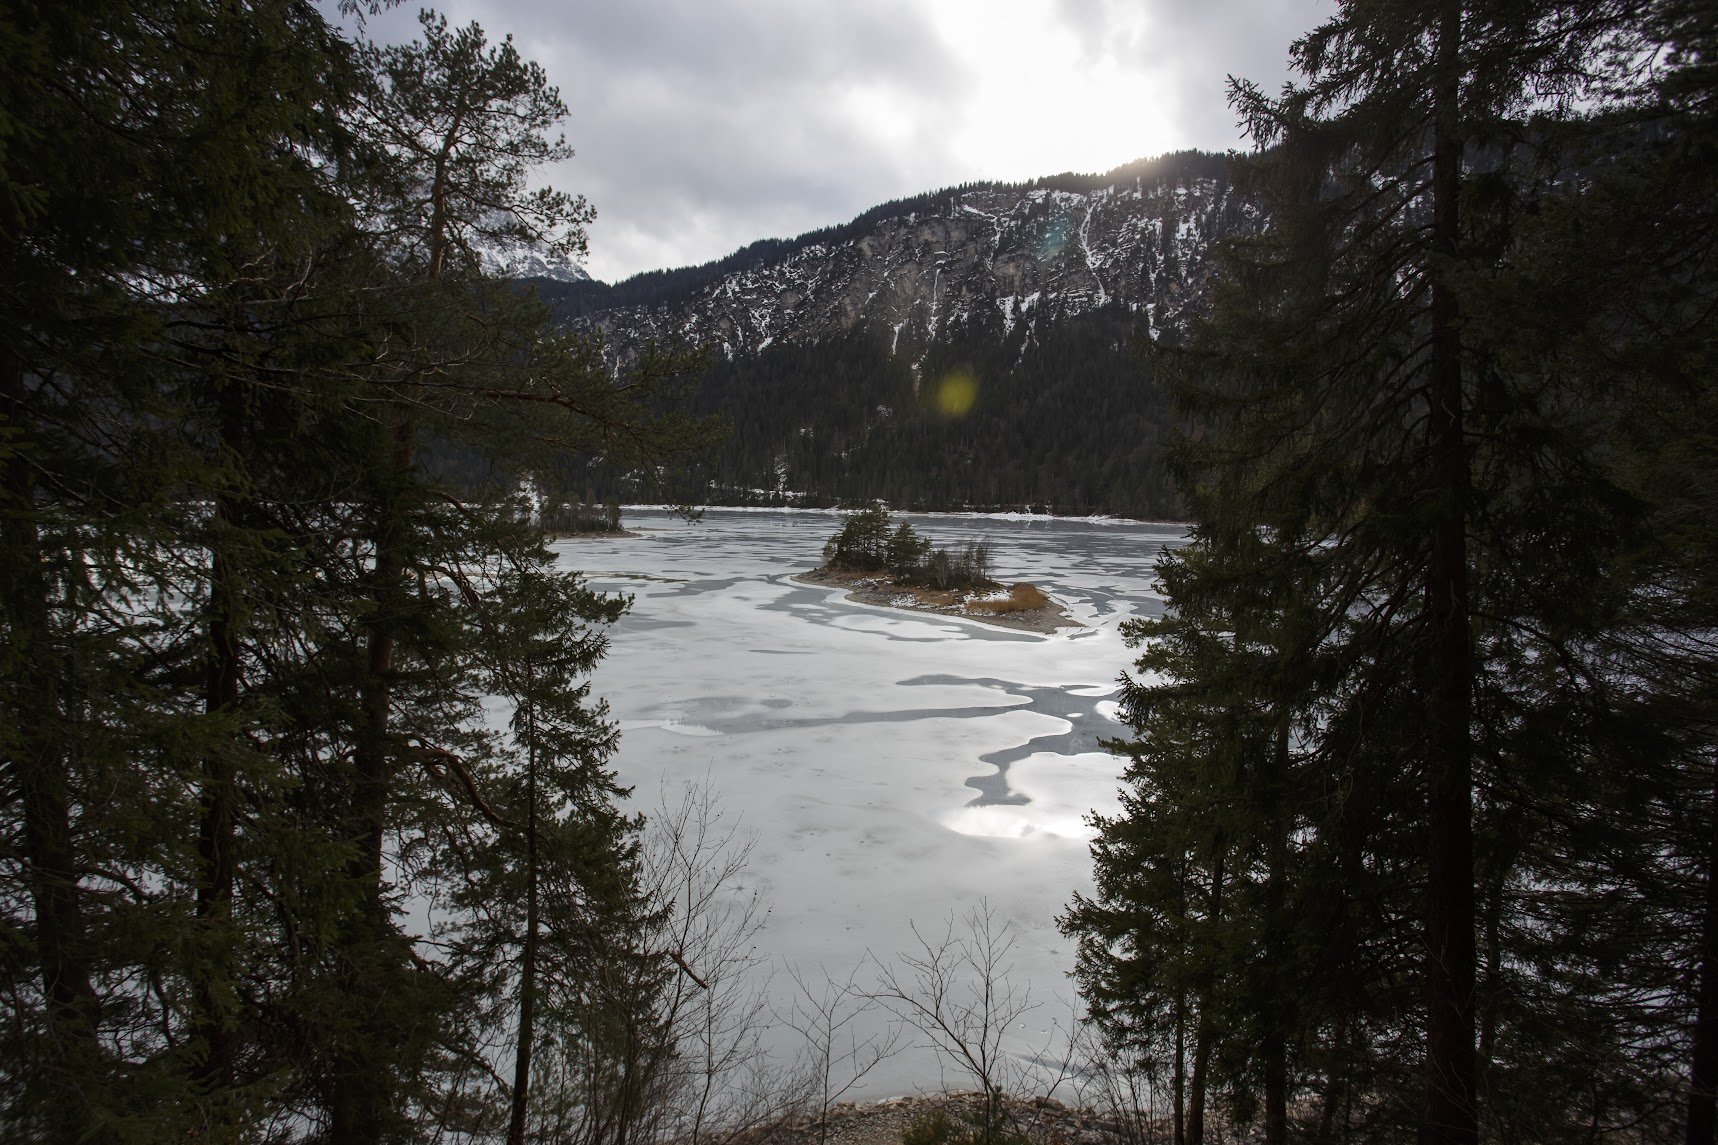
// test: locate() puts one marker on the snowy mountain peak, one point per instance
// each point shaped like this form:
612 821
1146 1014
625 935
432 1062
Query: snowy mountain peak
530 264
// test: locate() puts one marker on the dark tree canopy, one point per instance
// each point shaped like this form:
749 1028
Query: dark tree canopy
1400 855
246 633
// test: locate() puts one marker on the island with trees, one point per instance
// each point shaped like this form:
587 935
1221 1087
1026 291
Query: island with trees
881 562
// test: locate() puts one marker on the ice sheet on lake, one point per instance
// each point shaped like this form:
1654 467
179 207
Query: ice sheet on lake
895 767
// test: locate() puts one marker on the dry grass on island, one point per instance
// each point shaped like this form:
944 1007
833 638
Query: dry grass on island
880 562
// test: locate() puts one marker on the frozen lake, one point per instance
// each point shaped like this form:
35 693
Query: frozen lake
893 767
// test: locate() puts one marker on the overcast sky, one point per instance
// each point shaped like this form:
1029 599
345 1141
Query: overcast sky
701 125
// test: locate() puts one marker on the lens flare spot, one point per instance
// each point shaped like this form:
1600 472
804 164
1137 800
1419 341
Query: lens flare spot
956 393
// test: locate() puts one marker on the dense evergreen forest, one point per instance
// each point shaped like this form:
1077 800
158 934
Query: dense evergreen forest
1058 415
1419 839
247 637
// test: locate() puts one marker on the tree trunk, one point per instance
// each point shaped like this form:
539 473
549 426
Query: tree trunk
43 784
528 959
1204 1035
1703 1075
1450 1117
1196 1098
374 757
213 1027
1275 1048
215 839
1178 1082
1335 1083
364 1079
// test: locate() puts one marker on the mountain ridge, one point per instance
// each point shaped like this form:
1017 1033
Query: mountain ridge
834 352
1030 226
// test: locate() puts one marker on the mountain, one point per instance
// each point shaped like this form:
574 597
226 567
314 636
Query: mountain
974 347
534 266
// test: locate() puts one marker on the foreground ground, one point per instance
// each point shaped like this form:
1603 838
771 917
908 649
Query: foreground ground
1041 1119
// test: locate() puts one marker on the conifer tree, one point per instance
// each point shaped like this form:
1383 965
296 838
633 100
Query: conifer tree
209 277
458 127
1616 287
560 846
127 213
1378 450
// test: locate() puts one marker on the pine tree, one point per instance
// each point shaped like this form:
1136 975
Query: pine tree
1444 509
559 834
1615 287
208 282
129 232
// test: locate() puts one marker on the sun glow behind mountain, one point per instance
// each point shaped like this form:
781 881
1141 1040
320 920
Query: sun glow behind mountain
1038 96
701 127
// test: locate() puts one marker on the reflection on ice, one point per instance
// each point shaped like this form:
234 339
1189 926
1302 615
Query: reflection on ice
1060 793
1060 736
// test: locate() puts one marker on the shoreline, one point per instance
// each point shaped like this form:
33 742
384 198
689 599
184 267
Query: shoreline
607 535
954 514
867 588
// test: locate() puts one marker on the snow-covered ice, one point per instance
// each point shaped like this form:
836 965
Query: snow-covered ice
894 767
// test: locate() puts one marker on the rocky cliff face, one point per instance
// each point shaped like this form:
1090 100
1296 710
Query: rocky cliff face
1139 237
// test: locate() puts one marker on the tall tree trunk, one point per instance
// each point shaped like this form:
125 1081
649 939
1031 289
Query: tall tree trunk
1179 1080
1703 1076
374 757
1275 1048
1450 1117
41 773
212 975
215 839
1204 1035
528 958
1196 1085
363 1088
1335 1082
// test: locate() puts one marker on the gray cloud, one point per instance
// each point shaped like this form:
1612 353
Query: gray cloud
703 125
1206 41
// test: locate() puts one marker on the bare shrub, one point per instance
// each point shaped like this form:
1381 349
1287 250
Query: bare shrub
1129 1094
836 1057
721 1081
684 1055
954 990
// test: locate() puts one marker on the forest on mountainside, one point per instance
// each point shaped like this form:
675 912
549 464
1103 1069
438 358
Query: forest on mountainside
1063 417
1046 320
1067 420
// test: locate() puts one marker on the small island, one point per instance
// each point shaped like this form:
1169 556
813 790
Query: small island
880 562
566 520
